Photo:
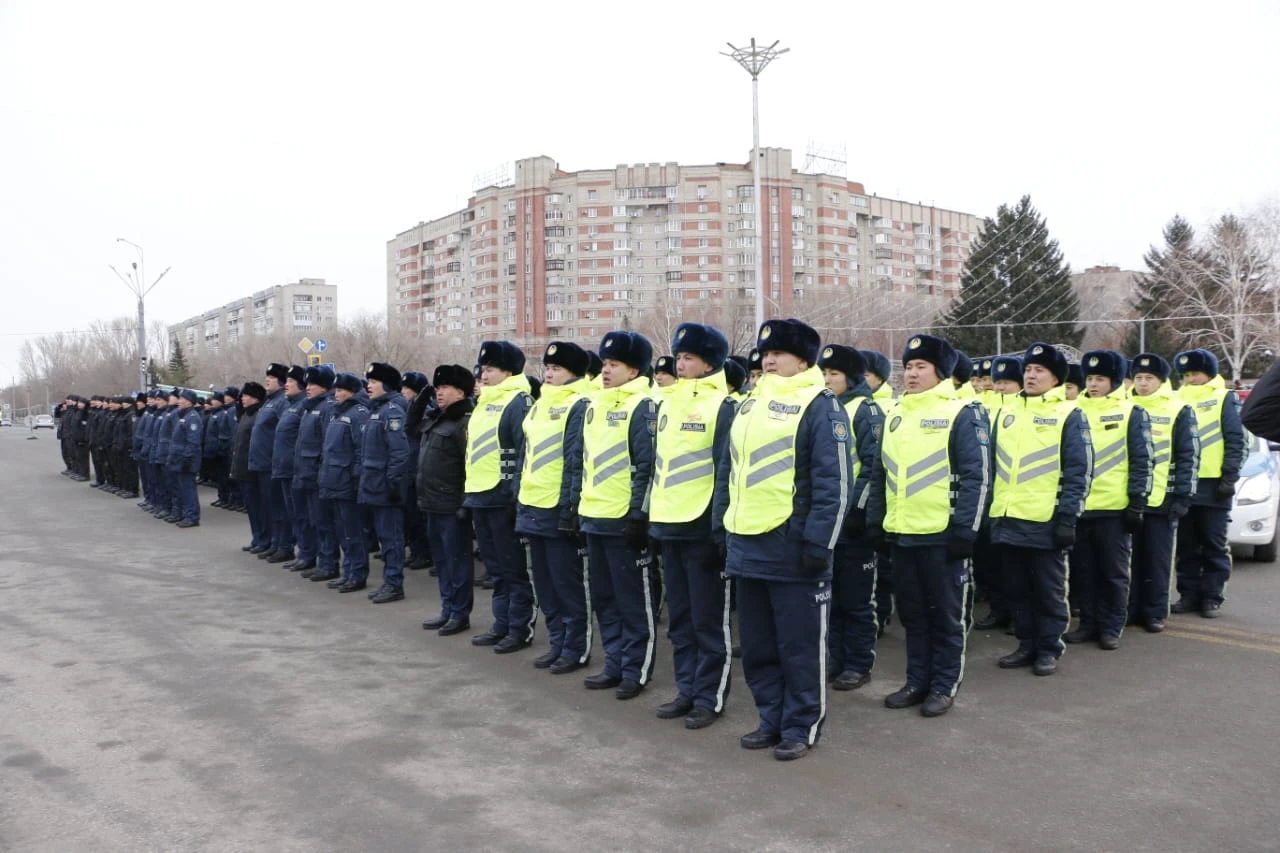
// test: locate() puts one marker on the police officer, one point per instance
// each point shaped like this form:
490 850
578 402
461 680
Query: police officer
1043 460
441 475
982 379
782 493
851 638
693 434
879 370
261 446
612 498
228 490
283 445
1117 499
185 453
930 496
339 479
168 507
735 375
141 447
664 374
495 439
988 563
1176 445
420 396
961 377
252 395
545 513
1204 557
316 533
385 473
754 368
1075 381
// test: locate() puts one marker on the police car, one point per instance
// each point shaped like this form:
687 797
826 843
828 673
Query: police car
1257 501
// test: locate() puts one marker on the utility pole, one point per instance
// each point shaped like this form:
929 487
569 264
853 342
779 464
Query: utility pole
137 285
1142 334
755 59
999 339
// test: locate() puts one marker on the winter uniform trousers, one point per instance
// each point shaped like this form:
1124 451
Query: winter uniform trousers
784 657
325 528
988 574
451 551
388 523
1100 573
1152 568
1204 557
188 495
251 497
505 560
304 530
560 579
1036 583
265 509
350 529
698 621
853 625
281 497
623 603
933 606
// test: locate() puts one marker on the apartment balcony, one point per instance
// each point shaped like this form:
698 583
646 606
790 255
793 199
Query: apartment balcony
883 253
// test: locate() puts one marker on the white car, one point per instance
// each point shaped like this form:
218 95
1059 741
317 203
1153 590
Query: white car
42 422
1257 502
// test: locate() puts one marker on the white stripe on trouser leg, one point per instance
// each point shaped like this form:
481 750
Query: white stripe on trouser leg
586 588
722 688
822 671
875 615
533 591
964 633
1173 571
647 663
1128 570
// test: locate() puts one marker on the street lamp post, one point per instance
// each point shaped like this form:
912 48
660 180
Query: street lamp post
755 59
137 285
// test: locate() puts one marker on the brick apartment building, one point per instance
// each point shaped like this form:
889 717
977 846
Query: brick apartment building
554 254
304 307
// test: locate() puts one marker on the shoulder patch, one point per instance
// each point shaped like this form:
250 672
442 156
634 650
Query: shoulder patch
839 430
980 432
393 424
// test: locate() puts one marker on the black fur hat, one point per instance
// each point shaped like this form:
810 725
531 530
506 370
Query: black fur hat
348 382
593 364
630 348
845 359
934 350
878 363
384 373
503 355
1049 357
964 367
735 375
319 374
189 395
141 398
1075 375
231 391
1196 361
982 367
414 380
791 336
753 361
1105 362
1006 367
278 370
1149 362
455 376
705 342
665 364
298 374
568 355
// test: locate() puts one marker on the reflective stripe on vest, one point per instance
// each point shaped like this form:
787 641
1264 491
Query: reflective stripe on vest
1207 401
1163 407
683 466
488 463
1028 458
606 450
1109 427
544 428
762 445
915 451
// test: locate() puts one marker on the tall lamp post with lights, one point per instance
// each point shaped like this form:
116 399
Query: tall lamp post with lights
755 59
138 287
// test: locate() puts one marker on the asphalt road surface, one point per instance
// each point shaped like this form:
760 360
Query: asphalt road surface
161 690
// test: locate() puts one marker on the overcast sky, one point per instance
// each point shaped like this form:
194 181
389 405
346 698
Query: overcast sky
248 144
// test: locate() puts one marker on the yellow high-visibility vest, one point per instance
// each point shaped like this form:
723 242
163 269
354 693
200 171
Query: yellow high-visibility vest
915 451
484 456
544 430
1029 456
683 467
1163 407
1207 401
1109 428
606 450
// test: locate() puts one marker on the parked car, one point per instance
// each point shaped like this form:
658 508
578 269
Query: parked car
1257 501
6 422
43 422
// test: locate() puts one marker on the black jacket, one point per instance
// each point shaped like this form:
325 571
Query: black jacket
1261 412
240 446
442 458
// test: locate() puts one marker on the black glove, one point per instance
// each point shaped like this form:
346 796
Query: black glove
1179 508
1064 534
1133 519
463 514
959 548
568 523
715 559
855 522
636 534
1226 488
813 566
